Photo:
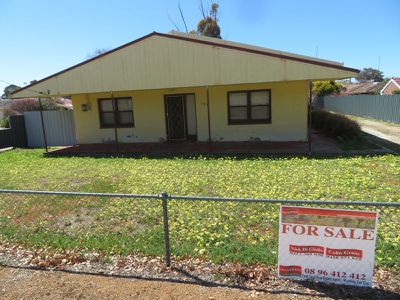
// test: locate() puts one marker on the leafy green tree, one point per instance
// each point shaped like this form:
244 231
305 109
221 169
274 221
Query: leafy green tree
9 89
368 74
324 88
396 92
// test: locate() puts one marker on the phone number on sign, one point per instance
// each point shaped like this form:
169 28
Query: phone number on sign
335 274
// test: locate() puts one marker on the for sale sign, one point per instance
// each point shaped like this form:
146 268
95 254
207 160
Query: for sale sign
329 245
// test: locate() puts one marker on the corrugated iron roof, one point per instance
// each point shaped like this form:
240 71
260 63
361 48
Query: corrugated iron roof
368 87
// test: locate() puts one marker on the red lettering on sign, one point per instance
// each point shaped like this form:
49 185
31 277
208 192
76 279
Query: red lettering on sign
300 229
329 231
368 235
289 270
312 230
344 252
349 233
306 249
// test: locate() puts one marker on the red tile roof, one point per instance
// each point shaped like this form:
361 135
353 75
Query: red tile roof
368 87
397 80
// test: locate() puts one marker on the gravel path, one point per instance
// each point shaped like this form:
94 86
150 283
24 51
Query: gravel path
29 284
47 274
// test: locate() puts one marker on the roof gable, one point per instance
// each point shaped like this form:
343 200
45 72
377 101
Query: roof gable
179 60
395 81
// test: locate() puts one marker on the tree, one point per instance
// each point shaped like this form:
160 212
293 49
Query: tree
9 89
370 74
208 26
97 52
19 106
380 86
324 88
396 92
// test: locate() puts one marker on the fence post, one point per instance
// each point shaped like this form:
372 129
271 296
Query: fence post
164 197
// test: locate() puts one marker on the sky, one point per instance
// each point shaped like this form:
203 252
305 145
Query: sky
41 37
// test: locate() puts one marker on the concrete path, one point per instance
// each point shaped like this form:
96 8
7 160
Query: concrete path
6 149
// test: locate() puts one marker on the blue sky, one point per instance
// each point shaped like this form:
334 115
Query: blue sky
41 37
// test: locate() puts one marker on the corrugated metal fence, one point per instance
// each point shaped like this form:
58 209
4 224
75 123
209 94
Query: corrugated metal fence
381 107
59 127
15 136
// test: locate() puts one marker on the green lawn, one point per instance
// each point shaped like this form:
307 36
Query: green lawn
218 231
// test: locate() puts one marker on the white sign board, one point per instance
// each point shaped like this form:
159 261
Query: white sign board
327 245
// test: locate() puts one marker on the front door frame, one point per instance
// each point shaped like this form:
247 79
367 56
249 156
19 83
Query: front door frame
187 136
167 120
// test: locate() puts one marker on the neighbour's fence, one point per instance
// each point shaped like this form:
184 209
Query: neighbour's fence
219 229
15 136
381 107
59 128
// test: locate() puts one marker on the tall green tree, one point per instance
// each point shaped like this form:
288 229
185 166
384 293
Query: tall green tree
368 74
8 90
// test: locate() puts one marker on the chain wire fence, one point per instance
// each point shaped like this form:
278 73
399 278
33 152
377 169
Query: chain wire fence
221 230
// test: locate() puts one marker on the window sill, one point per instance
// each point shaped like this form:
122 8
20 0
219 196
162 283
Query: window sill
119 126
249 122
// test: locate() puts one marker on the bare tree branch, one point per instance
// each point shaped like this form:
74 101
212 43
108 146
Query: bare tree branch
183 18
201 7
173 23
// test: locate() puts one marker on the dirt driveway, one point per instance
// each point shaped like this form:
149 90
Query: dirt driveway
32 284
383 130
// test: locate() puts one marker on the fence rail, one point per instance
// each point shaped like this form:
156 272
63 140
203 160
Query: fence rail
381 107
232 229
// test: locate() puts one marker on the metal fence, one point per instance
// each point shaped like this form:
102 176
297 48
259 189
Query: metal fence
15 136
381 107
59 127
219 229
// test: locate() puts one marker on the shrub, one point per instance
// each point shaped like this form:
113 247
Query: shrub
335 125
324 88
5 122
19 106
396 92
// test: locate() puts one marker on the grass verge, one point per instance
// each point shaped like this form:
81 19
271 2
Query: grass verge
241 232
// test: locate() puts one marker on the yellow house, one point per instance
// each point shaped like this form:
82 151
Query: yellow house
179 87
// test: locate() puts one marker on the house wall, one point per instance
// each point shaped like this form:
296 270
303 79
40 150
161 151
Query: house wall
390 89
288 114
